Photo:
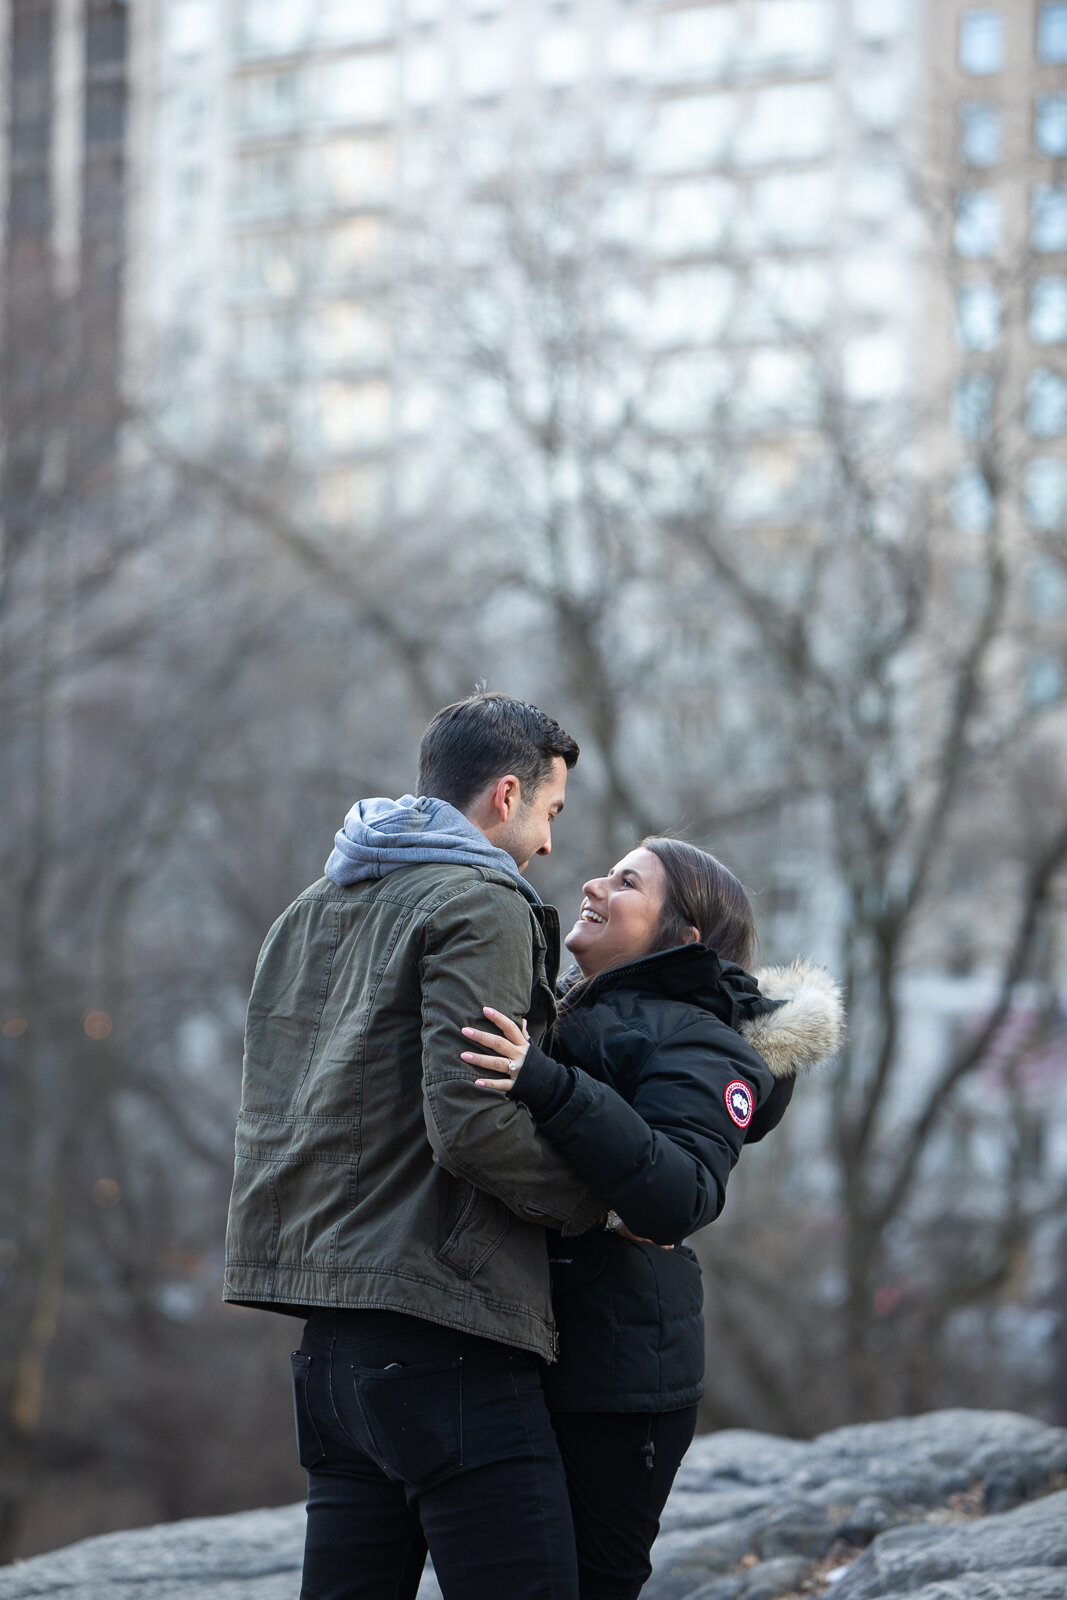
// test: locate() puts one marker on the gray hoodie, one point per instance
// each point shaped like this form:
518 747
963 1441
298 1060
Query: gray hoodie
381 835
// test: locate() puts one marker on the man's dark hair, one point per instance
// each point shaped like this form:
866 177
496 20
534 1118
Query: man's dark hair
473 742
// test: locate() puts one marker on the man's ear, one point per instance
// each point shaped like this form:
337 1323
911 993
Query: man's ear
692 935
504 797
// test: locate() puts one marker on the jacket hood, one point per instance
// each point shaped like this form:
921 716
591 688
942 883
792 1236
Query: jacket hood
691 972
379 836
793 1017
802 1022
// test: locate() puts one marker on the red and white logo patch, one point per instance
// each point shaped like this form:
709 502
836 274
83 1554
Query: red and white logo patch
739 1103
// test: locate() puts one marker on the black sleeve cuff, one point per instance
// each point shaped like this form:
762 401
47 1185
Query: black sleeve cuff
543 1085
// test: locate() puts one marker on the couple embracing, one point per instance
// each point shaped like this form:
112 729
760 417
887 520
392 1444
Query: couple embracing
475 1187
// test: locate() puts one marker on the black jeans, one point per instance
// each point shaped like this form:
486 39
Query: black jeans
620 1467
415 1435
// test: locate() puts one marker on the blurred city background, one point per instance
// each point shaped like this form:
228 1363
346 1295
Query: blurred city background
696 369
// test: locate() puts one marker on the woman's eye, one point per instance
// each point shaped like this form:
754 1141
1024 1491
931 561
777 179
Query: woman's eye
627 883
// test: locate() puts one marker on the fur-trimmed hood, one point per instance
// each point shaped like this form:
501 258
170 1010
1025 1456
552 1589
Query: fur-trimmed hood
804 1023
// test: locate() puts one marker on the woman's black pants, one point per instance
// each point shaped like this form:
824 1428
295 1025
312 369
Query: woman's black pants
620 1467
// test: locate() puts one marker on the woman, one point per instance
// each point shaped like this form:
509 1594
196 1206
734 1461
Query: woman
667 1058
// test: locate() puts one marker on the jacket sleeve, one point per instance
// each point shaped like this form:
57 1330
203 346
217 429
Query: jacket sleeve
478 951
663 1161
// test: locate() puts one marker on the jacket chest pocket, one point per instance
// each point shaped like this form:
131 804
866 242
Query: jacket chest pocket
473 1226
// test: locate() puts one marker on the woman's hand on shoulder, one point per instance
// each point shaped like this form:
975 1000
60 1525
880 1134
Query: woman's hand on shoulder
511 1043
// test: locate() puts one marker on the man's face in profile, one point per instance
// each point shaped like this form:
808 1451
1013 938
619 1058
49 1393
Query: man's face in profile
529 832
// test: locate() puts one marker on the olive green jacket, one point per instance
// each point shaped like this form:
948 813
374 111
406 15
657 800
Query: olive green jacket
370 1172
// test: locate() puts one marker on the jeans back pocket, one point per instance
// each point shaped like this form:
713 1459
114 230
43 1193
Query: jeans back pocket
414 1418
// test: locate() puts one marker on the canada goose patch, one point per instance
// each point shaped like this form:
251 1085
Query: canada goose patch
738 1097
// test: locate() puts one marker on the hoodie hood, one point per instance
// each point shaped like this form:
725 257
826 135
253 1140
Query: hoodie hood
802 1022
380 836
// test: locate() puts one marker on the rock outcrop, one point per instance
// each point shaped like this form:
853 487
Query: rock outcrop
955 1505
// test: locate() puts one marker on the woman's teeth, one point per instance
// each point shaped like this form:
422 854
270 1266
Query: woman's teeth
589 915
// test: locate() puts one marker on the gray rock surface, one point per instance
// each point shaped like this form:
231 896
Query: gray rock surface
960 1505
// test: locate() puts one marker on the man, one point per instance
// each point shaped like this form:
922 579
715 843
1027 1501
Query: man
402 1210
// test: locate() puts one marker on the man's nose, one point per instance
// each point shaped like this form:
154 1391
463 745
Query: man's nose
546 848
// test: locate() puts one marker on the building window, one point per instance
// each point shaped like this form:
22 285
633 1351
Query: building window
190 27
977 232
977 317
1048 217
346 497
424 74
876 191
879 99
342 22
343 256
1052 33
266 28
790 122
352 416
1048 310
972 589
790 33
1044 493
105 113
264 264
1050 124
1045 590
971 407
486 60
266 182
692 131
777 385
981 42
969 500
790 208
1046 404
268 102
692 215
346 334
979 133
696 43
790 295
873 367
687 307
562 57
877 20
352 172
629 49
358 88
1043 682
263 345
689 388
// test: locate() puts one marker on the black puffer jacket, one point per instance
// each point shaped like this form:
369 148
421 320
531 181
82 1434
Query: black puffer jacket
657 1087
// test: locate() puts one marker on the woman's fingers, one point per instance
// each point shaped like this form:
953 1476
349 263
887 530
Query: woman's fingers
500 1084
490 1063
509 1029
493 1041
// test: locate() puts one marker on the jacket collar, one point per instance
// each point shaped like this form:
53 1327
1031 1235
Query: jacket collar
690 971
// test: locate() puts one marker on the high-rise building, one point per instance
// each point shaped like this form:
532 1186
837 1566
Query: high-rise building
279 145
999 346
64 233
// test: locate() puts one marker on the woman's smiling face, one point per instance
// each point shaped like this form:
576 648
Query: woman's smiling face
619 914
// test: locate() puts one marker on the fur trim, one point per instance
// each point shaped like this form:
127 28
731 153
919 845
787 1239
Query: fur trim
809 1025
